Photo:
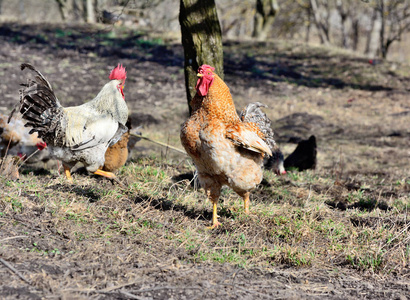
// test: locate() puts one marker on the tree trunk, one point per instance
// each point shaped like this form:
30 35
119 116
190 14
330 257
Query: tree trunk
22 11
345 37
70 10
308 26
383 47
373 40
266 11
356 31
323 31
344 14
90 11
201 39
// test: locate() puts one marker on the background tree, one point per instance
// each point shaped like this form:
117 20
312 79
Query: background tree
266 11
90 9
373 36
78 10
395 20
201 39
321 17
70 10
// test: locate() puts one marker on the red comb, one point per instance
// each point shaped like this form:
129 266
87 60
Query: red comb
118 73
41 145
203 68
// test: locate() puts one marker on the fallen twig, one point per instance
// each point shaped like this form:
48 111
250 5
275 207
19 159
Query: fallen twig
119 182
248 291
31 155
14 271
129 295
14 237
159 143
158 288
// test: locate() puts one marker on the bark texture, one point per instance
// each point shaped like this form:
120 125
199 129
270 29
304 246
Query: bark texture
266 11
201 39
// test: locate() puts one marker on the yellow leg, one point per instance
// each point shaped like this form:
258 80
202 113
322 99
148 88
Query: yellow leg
213 191
246 203
105 174
215 222
68 173
215 215
109 175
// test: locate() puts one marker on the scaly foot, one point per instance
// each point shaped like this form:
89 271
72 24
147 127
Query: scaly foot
109 175
215 225
68 174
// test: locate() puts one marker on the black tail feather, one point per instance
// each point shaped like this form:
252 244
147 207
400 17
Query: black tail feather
37 99
40 78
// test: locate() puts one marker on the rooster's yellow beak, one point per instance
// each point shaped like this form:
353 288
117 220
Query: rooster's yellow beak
199 75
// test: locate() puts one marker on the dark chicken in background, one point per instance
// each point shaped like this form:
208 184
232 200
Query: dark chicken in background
304 156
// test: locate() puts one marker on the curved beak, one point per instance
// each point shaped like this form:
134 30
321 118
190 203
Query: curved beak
199 75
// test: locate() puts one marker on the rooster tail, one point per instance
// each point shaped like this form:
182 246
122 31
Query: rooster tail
39 76
253 113
38 104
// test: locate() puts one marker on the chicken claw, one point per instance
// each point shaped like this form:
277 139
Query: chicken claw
109 175
68 174
246 202
215 222
215 225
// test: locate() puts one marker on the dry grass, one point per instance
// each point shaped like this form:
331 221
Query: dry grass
290 221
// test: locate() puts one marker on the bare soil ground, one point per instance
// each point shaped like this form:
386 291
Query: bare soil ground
340 232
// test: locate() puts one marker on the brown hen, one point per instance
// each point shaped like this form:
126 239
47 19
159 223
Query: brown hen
225 149
116 155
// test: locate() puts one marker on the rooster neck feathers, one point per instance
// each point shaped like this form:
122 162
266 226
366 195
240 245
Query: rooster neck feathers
213 96
109 102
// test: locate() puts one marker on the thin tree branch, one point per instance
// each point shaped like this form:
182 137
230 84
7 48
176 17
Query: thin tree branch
11 268
159 143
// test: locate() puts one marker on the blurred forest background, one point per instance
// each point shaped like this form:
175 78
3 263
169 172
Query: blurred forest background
376 28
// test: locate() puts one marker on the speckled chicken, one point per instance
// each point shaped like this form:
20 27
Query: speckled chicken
78 133
225 149
253 113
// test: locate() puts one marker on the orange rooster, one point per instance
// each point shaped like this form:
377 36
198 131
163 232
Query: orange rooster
225 149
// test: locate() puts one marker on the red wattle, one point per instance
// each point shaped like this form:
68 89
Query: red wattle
41 145
203 84
119 87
